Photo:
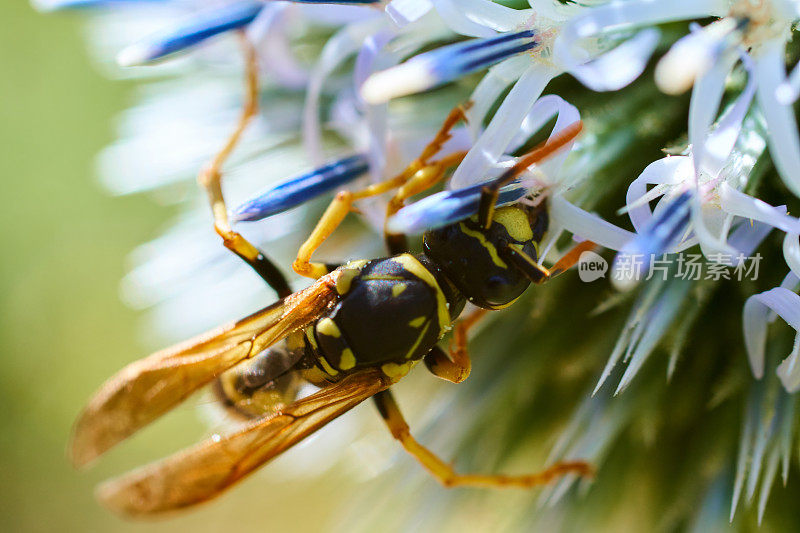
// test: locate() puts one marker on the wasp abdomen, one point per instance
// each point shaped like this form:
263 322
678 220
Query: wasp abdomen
263 384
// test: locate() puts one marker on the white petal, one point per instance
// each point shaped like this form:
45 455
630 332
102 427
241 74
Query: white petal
618 15
587 225
501 130
687 59
404 12
669 170
791 252
791 282
703 107
705 219
336 51
617 68
789 90
491 87
335 15
479 18
743 205
784 142
268 34
789 369
720 143
755 317
540 114
788 9
373 56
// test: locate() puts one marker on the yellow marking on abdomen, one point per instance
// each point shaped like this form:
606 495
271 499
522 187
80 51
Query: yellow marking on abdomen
311 338
395 371
327 366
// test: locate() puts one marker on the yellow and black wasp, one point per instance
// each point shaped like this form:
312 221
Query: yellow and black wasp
358 329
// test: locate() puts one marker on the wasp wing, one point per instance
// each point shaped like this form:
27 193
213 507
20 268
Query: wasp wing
146 389
202 472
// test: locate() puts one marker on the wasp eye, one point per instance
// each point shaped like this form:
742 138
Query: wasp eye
495 282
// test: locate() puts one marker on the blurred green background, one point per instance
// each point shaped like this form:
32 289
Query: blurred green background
64 329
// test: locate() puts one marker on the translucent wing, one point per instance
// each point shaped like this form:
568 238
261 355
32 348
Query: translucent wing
202 472
146 389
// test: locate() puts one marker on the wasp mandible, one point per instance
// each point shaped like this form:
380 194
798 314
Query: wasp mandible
358 329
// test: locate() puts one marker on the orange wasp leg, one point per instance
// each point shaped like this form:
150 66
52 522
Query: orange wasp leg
447 476
419 176
455 366
210 179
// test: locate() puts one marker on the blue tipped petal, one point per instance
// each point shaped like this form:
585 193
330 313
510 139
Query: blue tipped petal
444 208
444 64
664 229
298 190
194 31
659 235
64 5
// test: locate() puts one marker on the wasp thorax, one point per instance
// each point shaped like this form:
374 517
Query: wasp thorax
474 258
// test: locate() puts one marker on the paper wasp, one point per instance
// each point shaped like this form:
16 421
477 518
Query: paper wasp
354 332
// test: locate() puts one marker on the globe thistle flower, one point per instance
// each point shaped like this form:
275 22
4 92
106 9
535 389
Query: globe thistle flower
654 386
705 57
702 203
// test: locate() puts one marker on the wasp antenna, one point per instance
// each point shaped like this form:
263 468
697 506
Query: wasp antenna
490 190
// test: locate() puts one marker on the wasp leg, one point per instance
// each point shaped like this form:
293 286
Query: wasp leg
456 366
491 190
338 209
211 180
422 180
420 175
445 474
538 273
456 115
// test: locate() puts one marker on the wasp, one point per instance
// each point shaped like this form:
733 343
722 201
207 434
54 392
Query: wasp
354 332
